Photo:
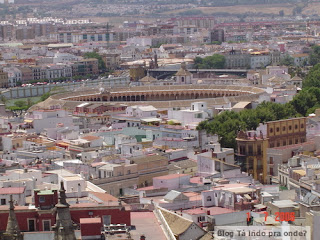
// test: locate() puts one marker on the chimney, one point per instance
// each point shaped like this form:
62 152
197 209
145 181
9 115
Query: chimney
25 170
272 200
208 212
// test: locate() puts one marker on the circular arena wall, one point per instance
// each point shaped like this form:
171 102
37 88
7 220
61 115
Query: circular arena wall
162 96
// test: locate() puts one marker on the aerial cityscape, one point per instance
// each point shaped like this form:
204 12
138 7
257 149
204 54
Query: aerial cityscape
159 120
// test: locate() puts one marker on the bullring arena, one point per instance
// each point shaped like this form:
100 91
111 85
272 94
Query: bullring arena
158 96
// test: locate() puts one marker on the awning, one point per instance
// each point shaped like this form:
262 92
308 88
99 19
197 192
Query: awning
247 196
28 121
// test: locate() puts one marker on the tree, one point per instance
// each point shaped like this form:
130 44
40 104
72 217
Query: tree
314 57
19 107
45 96
20 103
101 63
307 99
229 123
313 77
212 62
287 60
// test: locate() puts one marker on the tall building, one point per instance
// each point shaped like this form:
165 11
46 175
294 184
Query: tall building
237 59
3 79
216 35
252 145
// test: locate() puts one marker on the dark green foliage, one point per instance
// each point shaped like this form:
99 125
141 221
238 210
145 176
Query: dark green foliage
313 77
101 63
20 106
228 123
211 62
287 61
45 96
306 101
315 55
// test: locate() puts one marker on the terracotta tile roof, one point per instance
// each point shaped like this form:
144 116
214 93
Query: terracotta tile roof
12 190
105 197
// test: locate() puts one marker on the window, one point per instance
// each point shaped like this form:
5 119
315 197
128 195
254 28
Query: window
3 201
271 130
250 149
209 199
271 160
290 127
31 225
259 149
201 218
290 142
284 143
302 125
46 225
278 129
296 126
42 199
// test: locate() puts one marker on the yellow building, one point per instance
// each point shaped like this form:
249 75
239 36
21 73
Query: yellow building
3 79
253 145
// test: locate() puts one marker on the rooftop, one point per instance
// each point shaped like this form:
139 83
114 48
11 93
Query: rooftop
171 176
12 190
104 197
146 223
211 210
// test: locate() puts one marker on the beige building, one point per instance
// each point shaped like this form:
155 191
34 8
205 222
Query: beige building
112 60
183 167
114 178
150 166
